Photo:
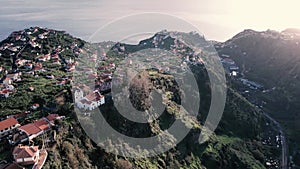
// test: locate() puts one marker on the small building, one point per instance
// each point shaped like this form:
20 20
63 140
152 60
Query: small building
20 62
35 129
5 90
90 101
227 61
233 68
14 76
26 155
38 67
7 126
251 84
35 106
44 58
52 117
31 88
28 66
4 93
70 67
7 81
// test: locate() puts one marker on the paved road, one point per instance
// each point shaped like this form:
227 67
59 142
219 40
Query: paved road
284 161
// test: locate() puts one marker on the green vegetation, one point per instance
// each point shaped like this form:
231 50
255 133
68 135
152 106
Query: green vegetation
235 144
272 59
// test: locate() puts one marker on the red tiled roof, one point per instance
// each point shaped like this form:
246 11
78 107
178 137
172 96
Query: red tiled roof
11 75
30 129
52 117
95 96
28 64
25 151
4 91
7 78
8 123
83 101
42 124
36 105
55 56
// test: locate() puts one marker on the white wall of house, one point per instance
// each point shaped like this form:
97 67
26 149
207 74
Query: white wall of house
7 82
2 132
35 135
79 96
6 95
19 160
28 159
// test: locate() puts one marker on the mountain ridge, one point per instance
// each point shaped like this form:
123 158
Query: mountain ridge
272 59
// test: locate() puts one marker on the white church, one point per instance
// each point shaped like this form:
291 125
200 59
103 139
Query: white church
90 101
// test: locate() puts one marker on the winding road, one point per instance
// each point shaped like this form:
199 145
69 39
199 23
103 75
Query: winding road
284 158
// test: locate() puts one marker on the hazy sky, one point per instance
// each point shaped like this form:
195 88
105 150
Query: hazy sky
216 19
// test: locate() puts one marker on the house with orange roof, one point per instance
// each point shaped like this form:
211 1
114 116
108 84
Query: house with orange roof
26 155
20 62
4 93
52 117
31 130
35 106
7 81
38 67
90 101
42 124
7 126
14 76
55 59
5 90
70 67
35 129
44 58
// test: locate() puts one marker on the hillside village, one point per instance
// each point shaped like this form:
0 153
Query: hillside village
37 77
30 58
37 63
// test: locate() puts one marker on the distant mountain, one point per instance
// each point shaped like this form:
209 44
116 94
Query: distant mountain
272 59
291 31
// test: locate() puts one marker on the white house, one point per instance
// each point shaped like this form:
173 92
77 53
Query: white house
26 155
4 93
28 66
44 58
90 101
7 126
14 77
